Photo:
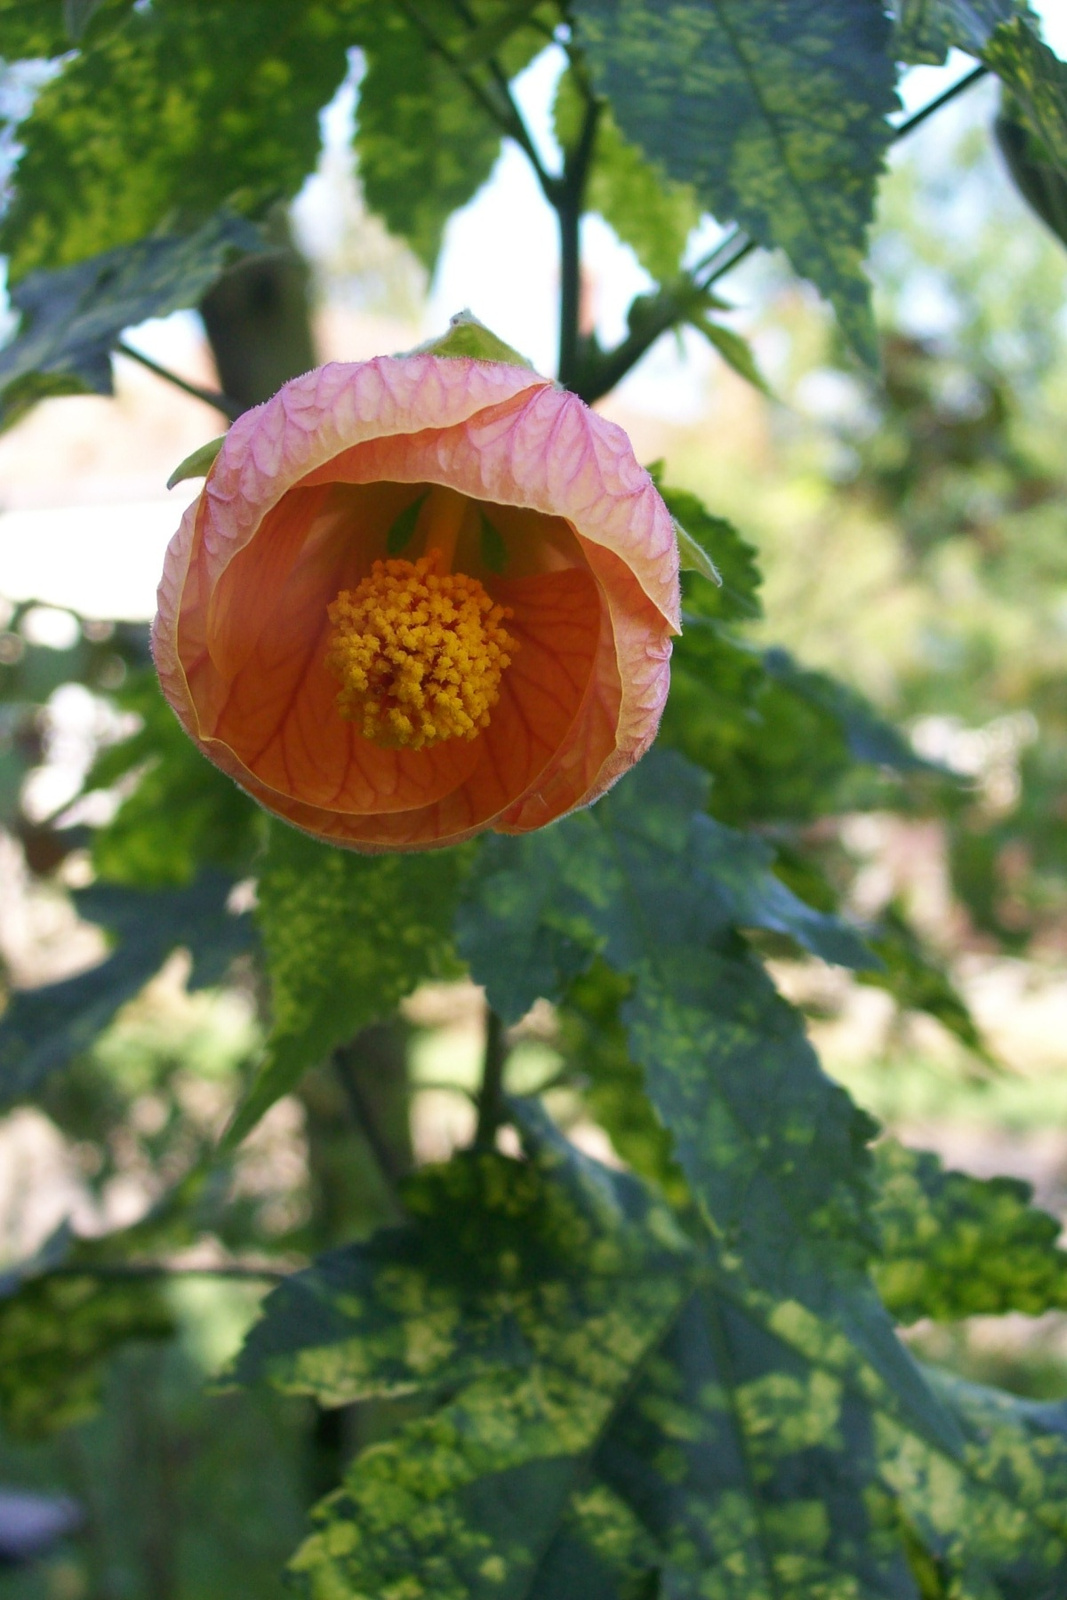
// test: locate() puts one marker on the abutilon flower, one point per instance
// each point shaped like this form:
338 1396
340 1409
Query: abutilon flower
419 597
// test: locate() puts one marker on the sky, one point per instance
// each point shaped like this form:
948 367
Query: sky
499 259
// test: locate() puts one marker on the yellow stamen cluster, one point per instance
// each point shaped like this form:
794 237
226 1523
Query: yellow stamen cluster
419 654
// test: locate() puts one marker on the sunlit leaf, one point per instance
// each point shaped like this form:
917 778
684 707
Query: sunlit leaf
170 114
425 139
346 936
955 1246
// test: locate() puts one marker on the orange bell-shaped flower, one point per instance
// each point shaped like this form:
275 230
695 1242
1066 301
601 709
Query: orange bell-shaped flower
419 597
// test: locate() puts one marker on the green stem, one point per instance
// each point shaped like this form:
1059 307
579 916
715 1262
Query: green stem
491 1096
570 204
212 397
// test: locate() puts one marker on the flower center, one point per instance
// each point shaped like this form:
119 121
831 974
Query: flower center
419 653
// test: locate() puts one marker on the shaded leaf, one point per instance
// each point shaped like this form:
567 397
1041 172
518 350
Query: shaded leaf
732 556
346 936
57 1331
611 1412
869 736
955 1246
1037 80
41 1029
182 811
735 350
177 110
918 982
656 888
996 1521
72 318
526 1295
773 111
649 211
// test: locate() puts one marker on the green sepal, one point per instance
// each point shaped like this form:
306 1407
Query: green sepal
468 337
198 464
401 533
692 557
494 551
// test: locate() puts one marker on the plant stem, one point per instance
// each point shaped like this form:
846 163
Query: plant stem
366 1121
491 1095
221 402
570 204
109 1271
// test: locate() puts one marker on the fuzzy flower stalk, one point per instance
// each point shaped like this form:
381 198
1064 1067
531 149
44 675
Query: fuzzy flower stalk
419 597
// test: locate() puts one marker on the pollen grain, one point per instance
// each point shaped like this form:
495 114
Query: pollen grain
419 654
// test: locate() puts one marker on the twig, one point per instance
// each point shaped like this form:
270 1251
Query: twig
365 1120
222 402
491 1095
117 1270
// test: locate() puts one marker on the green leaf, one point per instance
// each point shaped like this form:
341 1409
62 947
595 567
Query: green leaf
955 1246
57 1331
182 813
198 464
649 211
869 737
346 936
41 1029
425 142
774 112
783 743
607 1408
928 29
37 29
1037 80
1042 183
918 982
524 1295
170 114
995 1522
656 888
72 318
735 350
736 595
752 1468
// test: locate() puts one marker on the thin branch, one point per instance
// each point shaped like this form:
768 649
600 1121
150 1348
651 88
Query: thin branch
222 402
491 1095
118 1270
366 1121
